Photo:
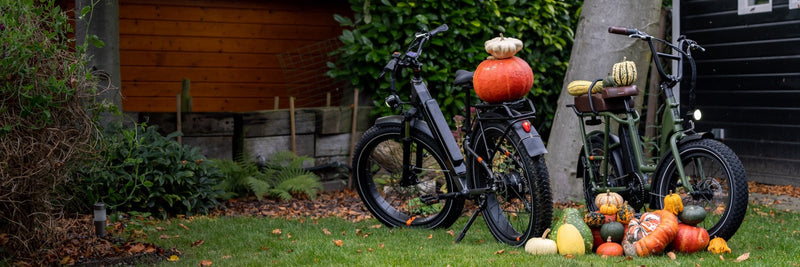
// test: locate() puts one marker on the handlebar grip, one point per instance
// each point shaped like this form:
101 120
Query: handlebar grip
441 28
621 30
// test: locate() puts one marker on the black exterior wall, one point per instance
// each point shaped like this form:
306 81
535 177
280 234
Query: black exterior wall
748 82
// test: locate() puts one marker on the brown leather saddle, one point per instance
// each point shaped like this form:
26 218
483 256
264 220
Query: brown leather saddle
612 99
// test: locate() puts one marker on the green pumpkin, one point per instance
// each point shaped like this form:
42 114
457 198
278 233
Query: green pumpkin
692 215
613 230
609 81
573 216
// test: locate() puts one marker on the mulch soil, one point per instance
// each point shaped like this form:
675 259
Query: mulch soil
84 248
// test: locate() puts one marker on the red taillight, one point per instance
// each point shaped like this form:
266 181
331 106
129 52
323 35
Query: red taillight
526 125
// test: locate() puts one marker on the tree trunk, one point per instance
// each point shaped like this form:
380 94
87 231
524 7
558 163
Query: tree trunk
593 53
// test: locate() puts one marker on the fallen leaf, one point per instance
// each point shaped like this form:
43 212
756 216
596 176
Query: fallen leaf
381 245
289 235
370 250
570 256
695 264
67 261
431 235
451 232
325 230
183 226
198 243
502 250
173 258
376 226
277 231
743 257
226 256
136 248
721 258
671 255
627 258
159 228
205 263
338 242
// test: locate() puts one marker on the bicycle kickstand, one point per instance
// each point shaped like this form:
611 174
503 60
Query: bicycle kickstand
481 206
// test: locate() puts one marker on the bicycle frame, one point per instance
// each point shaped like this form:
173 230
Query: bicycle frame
672 130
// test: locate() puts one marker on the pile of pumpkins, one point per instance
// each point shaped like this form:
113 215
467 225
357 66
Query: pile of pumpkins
615 230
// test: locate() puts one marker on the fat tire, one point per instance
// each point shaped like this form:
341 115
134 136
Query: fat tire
535 182
390 213
735 180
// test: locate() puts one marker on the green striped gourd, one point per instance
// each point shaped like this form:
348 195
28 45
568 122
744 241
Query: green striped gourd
580 87
624 73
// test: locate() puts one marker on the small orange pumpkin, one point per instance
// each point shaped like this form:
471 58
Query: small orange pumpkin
501 80
610 248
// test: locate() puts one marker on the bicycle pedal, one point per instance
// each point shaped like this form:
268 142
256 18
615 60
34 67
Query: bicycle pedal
429 199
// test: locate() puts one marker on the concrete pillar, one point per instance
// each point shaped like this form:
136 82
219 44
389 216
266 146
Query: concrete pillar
103 22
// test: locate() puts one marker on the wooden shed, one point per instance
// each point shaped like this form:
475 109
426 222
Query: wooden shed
239 55
748 82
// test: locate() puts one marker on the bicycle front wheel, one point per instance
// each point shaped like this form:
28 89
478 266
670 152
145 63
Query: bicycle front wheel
521 207
718 178
397 202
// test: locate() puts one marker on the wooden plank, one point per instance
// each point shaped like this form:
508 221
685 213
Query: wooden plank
254 13
225 30
201 104
756 115
168 74
785 99
204 89
277 122
758 135
203 44
753 65
197 59
747 83
742 33
790 46
297 5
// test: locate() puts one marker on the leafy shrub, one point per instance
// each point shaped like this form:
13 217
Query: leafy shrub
45 100
141 170
282 176
382 27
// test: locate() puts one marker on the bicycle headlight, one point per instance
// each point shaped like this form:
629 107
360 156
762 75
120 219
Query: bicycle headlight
697 115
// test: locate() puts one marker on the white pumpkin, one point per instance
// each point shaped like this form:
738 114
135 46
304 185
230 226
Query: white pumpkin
503 47
541 246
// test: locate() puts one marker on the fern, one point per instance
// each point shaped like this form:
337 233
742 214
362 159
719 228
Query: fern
281 177
307 184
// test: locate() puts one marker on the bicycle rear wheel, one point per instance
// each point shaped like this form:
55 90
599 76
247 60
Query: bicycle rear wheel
377 171
521 207
718 178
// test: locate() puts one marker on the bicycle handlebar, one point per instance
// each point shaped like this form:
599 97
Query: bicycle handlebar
622 30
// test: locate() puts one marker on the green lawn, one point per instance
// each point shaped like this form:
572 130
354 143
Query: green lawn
770 236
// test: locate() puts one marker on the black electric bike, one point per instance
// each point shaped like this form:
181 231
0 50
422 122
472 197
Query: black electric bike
409 171
702 170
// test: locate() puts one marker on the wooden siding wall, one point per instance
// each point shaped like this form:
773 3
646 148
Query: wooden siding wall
228 49
749 83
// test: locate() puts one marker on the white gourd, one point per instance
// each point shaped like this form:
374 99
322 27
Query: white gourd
503 47
541 246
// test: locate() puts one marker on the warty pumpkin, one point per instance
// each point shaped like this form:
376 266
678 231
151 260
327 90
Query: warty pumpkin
651 234
673 203
609 209
500 80
594 219
625 213
718 245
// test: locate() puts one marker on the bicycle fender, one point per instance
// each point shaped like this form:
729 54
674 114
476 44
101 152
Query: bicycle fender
532 141
398 120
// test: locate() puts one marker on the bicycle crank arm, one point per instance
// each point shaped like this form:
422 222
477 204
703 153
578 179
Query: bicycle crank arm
431 199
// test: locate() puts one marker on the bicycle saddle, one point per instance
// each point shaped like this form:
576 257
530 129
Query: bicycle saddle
614 99
463 77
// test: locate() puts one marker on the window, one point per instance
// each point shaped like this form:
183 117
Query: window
794 4
756 6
